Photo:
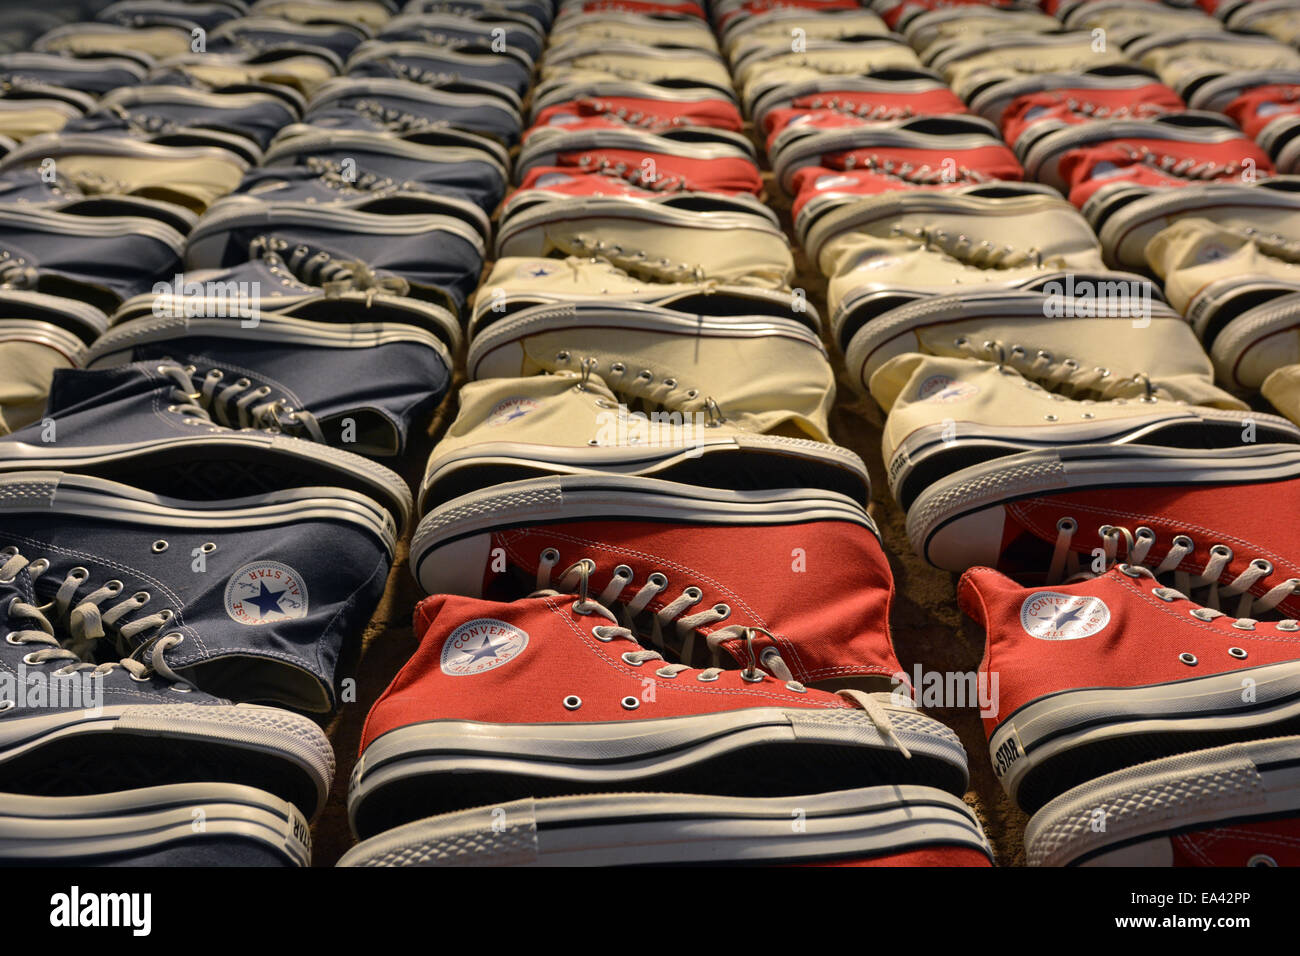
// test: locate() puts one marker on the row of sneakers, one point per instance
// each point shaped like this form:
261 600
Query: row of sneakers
658 622
195 524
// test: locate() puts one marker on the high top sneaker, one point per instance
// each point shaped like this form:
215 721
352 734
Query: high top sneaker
1268 206
765 63
23 118
95 76
655 240
555 183
930 30
155 826
1258 342
189 176
253 598
948 413
870 826
1125 22
741 557
606 60
883 95
380 103
368 13
1212 274
685 33
830 23
447 29
980 62
564 423
1115 670
1229 806
69 728
302 69
1259 107
150 128
666 727
96 39
39 334
511 68
965 141
142 424
462 165
1107 92
695 159
1274 17
884 251
439 257
1187 145
359 386
1043 515
516 283
640 106
257 116
762 372
267 34
1189 59
1116 340
99 260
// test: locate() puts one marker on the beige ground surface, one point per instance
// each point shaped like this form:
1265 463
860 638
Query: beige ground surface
927 627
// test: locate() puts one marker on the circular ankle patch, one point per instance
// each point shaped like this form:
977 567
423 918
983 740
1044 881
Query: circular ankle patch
1053 616
265 592
945 390
481 645
509 410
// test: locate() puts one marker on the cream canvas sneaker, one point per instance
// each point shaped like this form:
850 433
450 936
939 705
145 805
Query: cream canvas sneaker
584 28
611 60
1213 273
761 373
884 250
931 31
655 241
22 119
1125 21
973 65
1280 19
1282 389
520 282
1082 338
855 59
947 413
101 39
1258 342
1187 60
780 23
509 429
304 71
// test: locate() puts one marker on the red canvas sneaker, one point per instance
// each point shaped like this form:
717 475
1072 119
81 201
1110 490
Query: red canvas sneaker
881 95
1205 519
691 567
644 112
1259 106
1101 174
1235 805
694 159
947 144
1048 110
1099 675
647 7
549 695
897 12
870 826
728 12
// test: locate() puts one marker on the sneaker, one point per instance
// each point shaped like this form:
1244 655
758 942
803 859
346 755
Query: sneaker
655 240
758 62
466 30
439 258
638 105
564 424
976 65
1227 806
1107 92
1047 528
256 116
830 23
948 413
1268 206
682 33
745 734
1175 677
1187 60
273 35
1212 274
551 183
31 351
1273 17
95 76
371 14
1148 349
143 424
304 378
929 31
99 260
610 60
22 117
73 728
668 567
519 283
207 15
302 69
879 96
510 68
764 373
155 826
235 595
145 43
381 104
190 176
1258 342
871 826
1123 22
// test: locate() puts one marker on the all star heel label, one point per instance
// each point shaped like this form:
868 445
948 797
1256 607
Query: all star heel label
481 645
1053 616
266 592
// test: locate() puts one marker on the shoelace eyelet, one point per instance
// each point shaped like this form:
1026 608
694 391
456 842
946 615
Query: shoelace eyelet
1188 659
630 702
572 702
706 679
629 660
1237 652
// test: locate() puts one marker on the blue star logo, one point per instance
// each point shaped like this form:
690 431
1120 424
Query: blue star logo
539 272
486 649
517 413
267 600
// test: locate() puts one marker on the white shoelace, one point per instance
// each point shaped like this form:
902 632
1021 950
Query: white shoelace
1066 375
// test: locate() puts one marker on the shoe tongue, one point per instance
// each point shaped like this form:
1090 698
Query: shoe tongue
74 390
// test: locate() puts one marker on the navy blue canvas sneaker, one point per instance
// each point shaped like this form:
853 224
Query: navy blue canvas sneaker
272 34
95 76
155 826
422 63
144 424
360 386
540 12
70 728
256 116
100 260
441 160
142 129
299 68
382 104
144 13
252 599
439 257
84 322
479 28
28 186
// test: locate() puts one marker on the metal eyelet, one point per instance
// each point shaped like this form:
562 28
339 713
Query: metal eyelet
1201 614
113 585
1244 624
795 686
1222 549
599 633
140 680
693 593
618 367
723 609
665 673
572 702
1051 418
28 659
1184 541
1261 859
1164 595
670 383
159 546
1263 565
659 580
562 355
1130 571
623 571
628 659
1188 659
630 702
207 547
550 555
1288 626
141 597
693 393
1067 524
705 679
1237 652
165 614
